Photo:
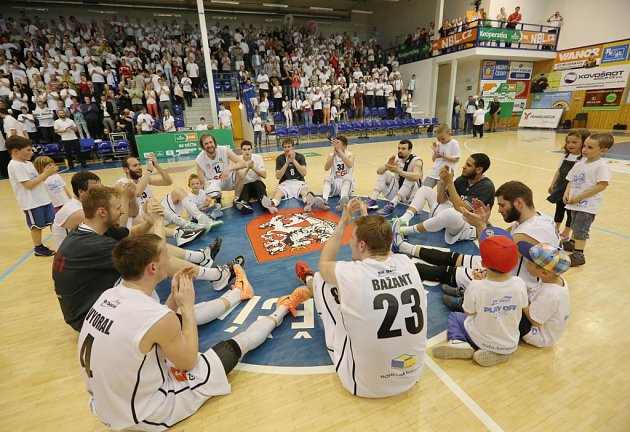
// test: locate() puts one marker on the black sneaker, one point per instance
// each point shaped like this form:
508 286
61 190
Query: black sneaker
577 260
43 251
243 207
240 260
183 237
211 252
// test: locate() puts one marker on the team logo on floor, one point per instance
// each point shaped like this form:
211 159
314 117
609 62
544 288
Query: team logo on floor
291 232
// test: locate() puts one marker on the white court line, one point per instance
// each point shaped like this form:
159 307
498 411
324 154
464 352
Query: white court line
463 396
528 166
456 389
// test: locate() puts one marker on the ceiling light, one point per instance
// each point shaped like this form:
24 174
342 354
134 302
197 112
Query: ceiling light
230 2
318 8
359 11
275 5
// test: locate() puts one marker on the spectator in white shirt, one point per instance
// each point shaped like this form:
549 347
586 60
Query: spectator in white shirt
168 121
145 121
67 129
28 123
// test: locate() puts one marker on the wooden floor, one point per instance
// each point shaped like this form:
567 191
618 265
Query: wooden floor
581 384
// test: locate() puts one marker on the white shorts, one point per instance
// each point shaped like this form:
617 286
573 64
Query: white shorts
183 398
326 298
337 182
215 186
171 209
444 216
390 188
464 274
292 188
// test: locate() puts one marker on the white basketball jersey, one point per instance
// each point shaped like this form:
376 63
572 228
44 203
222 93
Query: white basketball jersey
542 228
212 168
59 233
142 198
380 340
339 169
124 384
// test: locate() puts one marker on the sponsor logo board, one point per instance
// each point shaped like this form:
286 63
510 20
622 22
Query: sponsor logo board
541 118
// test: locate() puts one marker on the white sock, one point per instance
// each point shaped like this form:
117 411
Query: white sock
407 248
407 216
306 279
257 332
210 274
406 230
326 191
194 257
213 309
395 201
190 207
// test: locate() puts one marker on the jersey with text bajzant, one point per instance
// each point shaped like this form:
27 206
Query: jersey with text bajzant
380 340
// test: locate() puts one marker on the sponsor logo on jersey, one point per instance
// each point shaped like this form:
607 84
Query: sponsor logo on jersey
404 361
290 232
107 303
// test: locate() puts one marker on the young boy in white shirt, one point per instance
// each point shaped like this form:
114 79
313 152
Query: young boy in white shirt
30 190
488 331
479 117
588 179
547 315
445 153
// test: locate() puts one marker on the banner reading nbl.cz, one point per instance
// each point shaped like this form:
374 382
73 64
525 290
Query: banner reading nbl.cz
174 144
454 39
494 34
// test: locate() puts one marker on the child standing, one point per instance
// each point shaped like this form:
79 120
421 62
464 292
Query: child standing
257 124
445 153
30 191
493 305
479 117
587 181
573 144
547 315
55 185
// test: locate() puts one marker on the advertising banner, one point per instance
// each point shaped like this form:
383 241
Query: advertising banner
495 70
174 144
505 92
520 70
603 100
414 52
522 88
552 100
589 79
541 118
616 52
578 57
454 39
496 34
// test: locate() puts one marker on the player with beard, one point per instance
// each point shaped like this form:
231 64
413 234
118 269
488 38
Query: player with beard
398 179
516 205
452 195
216 167
174 202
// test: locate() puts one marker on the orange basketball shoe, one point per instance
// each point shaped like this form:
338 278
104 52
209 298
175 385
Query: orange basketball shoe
302 270
297 297
247 291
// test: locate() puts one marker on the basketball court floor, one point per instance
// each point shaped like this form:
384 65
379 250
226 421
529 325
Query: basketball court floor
580 384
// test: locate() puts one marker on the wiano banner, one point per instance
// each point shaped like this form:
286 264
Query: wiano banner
541 118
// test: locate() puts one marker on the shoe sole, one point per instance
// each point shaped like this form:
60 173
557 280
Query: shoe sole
451 291
489 358
450 352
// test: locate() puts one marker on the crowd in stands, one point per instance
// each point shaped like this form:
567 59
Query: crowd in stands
100 73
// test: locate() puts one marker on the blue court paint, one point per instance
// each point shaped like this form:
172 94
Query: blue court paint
297 342
21 260
626 236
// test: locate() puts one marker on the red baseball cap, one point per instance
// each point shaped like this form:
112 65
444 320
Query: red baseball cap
498 250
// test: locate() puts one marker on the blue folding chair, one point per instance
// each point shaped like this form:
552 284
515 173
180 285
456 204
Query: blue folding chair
104 149
87 147
178 110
